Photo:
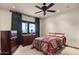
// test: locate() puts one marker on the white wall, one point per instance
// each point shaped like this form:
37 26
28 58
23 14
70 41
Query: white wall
66 22
5 20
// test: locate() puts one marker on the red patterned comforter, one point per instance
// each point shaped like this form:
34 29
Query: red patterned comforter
49 44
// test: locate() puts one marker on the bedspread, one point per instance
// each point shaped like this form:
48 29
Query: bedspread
49 44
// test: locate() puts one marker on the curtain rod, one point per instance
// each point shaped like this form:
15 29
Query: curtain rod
22 13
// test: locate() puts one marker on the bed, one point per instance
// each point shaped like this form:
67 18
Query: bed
50 44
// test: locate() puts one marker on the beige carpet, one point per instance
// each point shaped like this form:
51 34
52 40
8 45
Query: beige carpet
28 51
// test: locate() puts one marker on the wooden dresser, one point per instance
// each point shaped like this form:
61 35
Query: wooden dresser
28 39
8 42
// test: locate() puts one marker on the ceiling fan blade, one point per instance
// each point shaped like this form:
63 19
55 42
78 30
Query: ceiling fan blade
51 11
38 12
50 5
44 12
38 7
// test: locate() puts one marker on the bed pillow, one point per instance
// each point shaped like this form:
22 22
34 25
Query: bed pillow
51 34
59 34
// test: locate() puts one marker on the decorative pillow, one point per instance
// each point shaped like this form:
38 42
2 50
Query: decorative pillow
56 34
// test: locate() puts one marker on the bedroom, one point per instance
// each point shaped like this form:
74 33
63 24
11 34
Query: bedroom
64 21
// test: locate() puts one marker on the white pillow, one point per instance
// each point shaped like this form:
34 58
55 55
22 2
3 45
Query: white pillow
51 34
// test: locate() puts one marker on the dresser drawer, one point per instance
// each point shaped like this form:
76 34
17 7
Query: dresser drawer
27 40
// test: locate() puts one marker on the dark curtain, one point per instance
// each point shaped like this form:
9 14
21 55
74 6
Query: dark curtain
17 25
37 23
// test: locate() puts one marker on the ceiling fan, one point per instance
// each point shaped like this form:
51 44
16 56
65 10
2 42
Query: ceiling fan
45 8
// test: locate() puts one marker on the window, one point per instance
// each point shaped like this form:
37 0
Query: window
24 27
28 27
31 28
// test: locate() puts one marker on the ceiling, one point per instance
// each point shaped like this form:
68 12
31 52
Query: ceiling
30 9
